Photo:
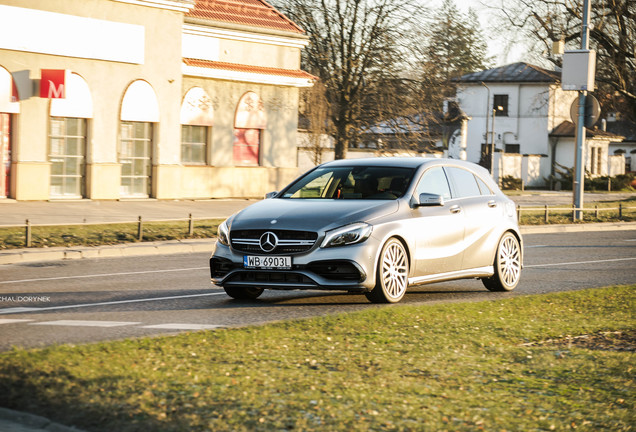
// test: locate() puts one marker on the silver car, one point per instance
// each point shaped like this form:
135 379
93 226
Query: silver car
373 226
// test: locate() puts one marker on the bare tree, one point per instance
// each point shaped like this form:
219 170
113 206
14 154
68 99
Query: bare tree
314 112
357 48
612 35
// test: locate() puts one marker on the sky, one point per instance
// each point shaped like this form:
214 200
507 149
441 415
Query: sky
496 43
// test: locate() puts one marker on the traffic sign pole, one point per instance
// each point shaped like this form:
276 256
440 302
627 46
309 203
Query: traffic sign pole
578 187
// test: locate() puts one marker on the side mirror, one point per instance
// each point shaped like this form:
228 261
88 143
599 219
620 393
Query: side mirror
270 195
429 200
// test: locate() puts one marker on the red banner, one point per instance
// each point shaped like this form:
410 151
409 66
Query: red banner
52 84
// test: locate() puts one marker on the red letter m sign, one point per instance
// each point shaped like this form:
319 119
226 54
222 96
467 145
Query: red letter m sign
52 84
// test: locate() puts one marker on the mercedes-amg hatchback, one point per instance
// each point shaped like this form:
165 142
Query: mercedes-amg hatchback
373 226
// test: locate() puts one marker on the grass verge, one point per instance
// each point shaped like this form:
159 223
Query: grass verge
513 364
106 234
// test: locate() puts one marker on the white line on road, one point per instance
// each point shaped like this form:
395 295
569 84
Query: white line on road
12 310
12 321
81 323
102 275
579 262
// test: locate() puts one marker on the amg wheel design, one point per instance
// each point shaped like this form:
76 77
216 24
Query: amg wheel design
392 274
507 265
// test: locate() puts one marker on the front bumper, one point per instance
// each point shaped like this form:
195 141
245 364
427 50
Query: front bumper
348 268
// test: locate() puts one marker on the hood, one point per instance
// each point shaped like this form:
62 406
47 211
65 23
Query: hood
310 215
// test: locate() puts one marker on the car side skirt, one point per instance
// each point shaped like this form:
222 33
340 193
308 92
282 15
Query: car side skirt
480 272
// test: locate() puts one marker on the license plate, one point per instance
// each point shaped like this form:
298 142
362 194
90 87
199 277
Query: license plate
267 262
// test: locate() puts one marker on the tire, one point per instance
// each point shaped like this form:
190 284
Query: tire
243 293
392 274
507 265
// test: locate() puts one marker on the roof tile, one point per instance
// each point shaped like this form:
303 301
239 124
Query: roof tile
246 12
515 72
293 73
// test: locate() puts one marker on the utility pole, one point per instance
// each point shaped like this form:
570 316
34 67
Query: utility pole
578 188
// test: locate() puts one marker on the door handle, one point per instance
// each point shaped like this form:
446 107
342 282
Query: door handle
455 209
492 203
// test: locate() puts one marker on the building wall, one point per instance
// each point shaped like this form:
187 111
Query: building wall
534 110
107 81
155 56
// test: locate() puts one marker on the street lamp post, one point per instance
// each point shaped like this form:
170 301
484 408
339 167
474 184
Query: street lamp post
492 140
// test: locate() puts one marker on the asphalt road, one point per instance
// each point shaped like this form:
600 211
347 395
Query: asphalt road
105 299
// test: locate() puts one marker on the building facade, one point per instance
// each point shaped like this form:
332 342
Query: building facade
521 111
166 99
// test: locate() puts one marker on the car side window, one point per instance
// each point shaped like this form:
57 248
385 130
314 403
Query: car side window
465 183
485 190
434 181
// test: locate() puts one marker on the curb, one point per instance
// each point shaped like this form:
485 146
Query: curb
30 255
20 421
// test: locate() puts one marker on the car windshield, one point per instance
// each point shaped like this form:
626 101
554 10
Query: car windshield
351 182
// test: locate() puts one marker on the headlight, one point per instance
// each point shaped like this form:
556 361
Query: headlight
348 234
223 234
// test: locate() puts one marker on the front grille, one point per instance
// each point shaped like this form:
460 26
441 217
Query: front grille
289 242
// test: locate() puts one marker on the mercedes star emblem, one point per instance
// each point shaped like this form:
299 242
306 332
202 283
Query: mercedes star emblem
268 241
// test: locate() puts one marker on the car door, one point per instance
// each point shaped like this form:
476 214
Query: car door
481 213
438 230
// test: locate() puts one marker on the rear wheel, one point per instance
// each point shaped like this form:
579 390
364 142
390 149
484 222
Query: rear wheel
507 265
392 274
243 293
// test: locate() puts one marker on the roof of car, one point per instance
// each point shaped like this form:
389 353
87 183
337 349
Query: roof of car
406 162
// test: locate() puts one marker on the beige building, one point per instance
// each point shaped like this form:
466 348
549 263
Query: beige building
166 99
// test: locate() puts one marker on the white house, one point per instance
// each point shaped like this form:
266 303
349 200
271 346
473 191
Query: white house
521 110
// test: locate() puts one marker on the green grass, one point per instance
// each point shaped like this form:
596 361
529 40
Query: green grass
514 364
106 234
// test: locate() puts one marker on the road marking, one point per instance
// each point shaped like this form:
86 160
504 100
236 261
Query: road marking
80 323
102 275
579 262
11 321
18 310
42 309
177 326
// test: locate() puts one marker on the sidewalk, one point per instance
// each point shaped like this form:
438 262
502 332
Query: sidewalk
86 211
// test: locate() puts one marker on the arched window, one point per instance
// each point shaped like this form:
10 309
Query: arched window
139 110
197 119
8 106
249 123
67 138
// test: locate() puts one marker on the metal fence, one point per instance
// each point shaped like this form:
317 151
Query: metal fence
28 226
547 211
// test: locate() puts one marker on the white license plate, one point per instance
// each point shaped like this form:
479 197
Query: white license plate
267 262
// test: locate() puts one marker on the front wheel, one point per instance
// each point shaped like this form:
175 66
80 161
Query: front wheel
392 275
243 293
507 265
